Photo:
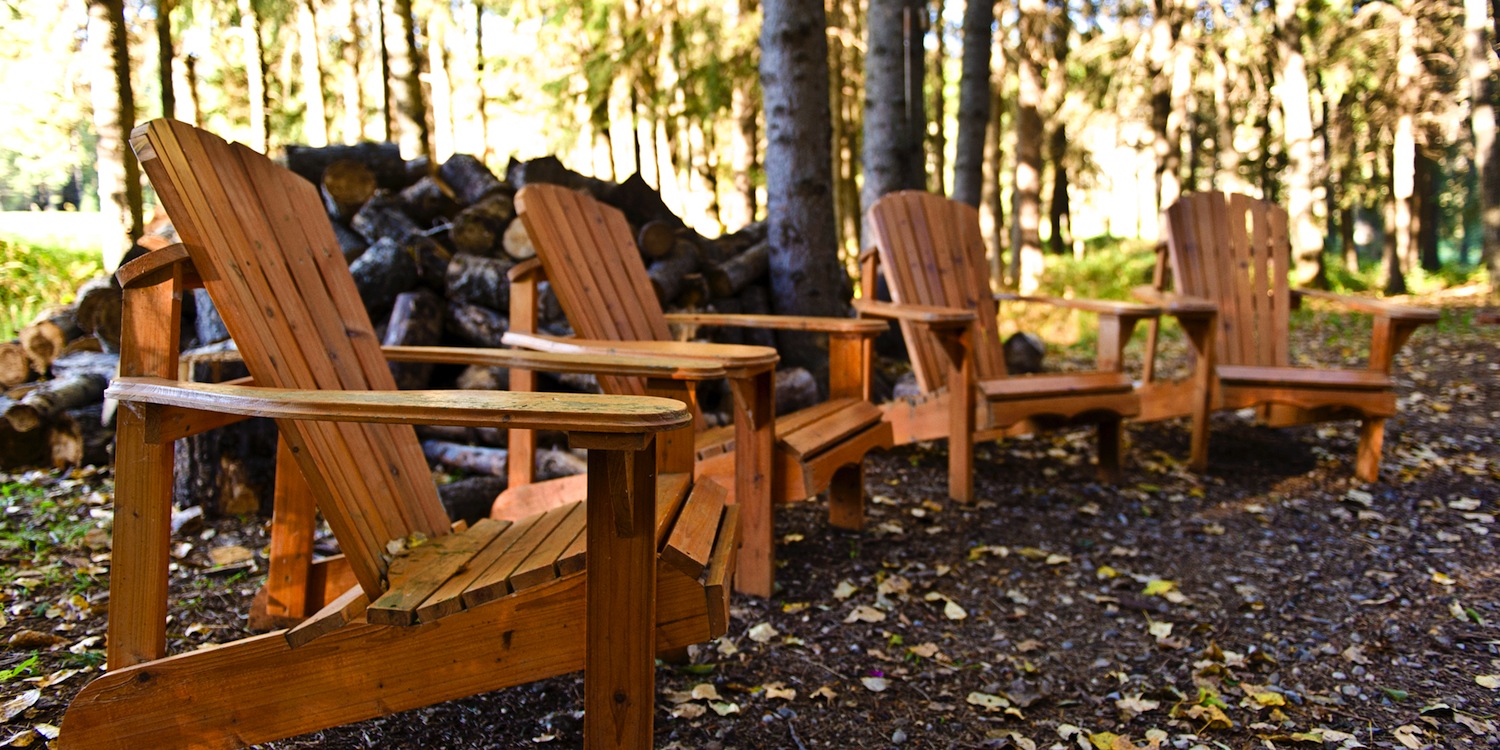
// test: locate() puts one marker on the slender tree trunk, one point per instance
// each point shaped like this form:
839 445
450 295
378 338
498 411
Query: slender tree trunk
190 72
383 32
1293 96
352 91
973 101
1483 123
1404 159
482 103
440 82
1429 214
1059 211
408 106
254 60
1026 240
165 52
805 275
837 111
1167 94
314 117
894 122
114 116
994 187
939 146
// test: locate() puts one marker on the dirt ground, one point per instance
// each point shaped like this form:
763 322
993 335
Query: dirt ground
1274 602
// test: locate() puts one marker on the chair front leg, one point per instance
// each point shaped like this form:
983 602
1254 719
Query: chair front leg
1201 331
961 404
754 438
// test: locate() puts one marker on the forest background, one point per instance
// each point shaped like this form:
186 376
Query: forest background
1070 122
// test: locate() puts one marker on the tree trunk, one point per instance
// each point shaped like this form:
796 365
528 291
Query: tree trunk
190 72
165 52
254 61
1059 211
1026 243
481 98
1404 159
1483 123
440 82
351 92
416 320
994 187
1293 96
1429 213
314 117
894 121
119 177
973 102
939 146
805 275
407 106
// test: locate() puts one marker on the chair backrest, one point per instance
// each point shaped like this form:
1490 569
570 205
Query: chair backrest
1235 251
595 270
932 253
258 237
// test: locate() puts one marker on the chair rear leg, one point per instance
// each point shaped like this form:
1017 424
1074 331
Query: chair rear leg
1111 460
846 497
1371 443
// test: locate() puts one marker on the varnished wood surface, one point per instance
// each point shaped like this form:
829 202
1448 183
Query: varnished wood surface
664 366
738 357
781 322
930 315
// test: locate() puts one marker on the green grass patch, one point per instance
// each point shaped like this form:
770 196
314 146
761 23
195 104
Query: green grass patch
42 263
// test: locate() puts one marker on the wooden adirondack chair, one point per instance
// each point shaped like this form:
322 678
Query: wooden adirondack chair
931 254
1231 255
586 251
437 613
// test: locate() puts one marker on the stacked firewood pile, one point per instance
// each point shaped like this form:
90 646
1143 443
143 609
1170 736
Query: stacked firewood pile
429 250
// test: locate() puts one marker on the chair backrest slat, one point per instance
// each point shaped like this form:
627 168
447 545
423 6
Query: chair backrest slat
270 262
1235 251
932 253
597 272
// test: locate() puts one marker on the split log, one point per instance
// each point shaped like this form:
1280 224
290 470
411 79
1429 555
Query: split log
747 237
470 499
346 185
52 397
382 216
18 450
103 364
549 170
432 261
579 381
15 367
98 311
80 437
548 308
469 178
667 271
80 345
473 458
1024 352
45 337
428 199
475 325
351 243
693 292
416 169
228 471
493 437
727 334
516 242
481 378
382 159
207 324
656 238
416 320
796 389
729 278
478 228
640 202
382 272
477 280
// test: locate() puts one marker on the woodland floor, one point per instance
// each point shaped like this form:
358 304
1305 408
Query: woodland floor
1274 602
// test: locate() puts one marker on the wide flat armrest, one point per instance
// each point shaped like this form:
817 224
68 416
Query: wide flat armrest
858 326
935 317
674 368
1175 304
1101 306
1374 306
533 411
736 359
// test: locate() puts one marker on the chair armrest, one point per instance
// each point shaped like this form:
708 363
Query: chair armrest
1175 304
782 322
674 368
532 411
526 268
735 359
1103 307
928 315
1375 307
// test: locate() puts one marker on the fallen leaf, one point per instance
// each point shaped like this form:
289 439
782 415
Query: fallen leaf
1106 572
47 730
1103 740
792 537
1408 734
27 640
234 553
55 678
1442 579
824 692
763 632
13 707
779 691
723 708
705 691
1135 705
986 701
893 585
1356 654
930 650
688 711
1491 681
865 613
952 611
844 590
875 684
1212 716
1160 629
1158 587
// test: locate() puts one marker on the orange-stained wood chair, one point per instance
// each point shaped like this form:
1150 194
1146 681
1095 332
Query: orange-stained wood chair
435 612
931 254
586 251
1231 255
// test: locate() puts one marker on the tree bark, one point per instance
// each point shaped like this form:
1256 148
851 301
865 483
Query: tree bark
1166 99
165 52
416 320
15 369
1294 97
1483 123
1404 158
314 116
254 61
806 278
1026 242
894 119
973 102
351 92
938 149
118 172
407 107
